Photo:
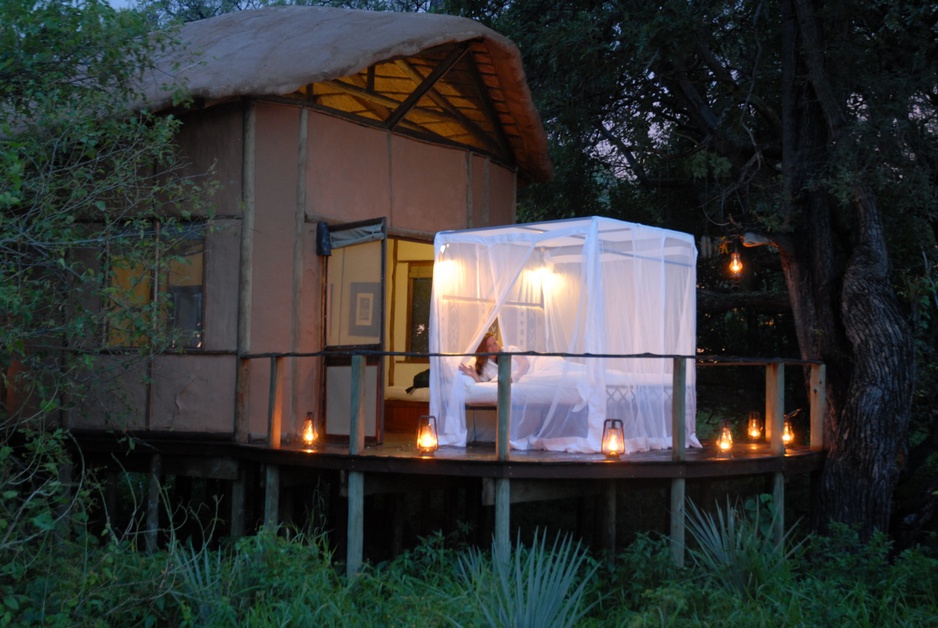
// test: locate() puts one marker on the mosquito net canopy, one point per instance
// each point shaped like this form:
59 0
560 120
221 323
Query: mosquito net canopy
571 287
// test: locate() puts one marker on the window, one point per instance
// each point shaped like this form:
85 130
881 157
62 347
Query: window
419 284
173 262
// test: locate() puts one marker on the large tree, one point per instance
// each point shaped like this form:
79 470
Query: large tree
85 179
808 123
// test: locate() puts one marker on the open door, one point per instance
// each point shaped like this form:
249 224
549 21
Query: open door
355 271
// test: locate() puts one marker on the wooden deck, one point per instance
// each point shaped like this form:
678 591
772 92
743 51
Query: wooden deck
398 454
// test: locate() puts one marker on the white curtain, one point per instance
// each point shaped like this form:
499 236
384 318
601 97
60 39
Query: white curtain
571 287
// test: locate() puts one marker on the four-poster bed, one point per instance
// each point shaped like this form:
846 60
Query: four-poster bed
568 288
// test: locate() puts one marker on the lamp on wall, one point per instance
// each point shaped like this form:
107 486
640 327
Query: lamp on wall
613 439
427 441
754 427
311 433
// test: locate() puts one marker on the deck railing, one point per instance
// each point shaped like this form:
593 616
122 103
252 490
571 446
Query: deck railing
774 422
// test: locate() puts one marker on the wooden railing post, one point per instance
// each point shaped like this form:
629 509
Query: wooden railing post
275 403
356 479
774 424
502 453
775 407
818 404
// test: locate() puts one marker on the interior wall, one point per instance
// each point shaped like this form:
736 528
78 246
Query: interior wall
400 370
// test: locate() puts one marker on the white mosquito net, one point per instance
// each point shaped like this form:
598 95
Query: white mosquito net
573 287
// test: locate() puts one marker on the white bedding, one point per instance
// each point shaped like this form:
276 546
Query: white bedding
400 393
558 397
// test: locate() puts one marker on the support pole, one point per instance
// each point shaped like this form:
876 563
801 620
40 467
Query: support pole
778 497
238 489
246 273
679 455
608 541
356 479
678 494
272 496
502 453
153 502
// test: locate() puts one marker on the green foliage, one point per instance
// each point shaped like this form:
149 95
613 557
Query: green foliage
537 586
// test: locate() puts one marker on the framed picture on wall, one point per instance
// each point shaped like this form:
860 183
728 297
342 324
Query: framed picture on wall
365 316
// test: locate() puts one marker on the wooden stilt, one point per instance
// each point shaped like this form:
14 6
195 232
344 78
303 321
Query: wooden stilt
502 452
608 510
237 506
678 454
778 496
678 490
502 519
153 502
272 496
356 479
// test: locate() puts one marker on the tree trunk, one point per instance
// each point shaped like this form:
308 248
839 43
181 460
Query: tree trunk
856 327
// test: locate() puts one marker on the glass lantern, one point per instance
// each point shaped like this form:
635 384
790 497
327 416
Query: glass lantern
754 427
427 441
613 439
310 431
725 440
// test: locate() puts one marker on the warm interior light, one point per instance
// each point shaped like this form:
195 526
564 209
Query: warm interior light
754 430
613 439
310 434
725 441
427 441
736 264
787 434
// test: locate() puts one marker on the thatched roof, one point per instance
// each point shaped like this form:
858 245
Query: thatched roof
438 77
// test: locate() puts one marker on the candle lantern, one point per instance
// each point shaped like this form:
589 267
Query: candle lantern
613 439
754 429
310 431
788 435
427 441
725 440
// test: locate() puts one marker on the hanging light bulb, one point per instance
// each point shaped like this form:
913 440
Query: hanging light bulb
736 264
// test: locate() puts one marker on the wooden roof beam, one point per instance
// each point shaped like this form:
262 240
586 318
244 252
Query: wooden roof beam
474 129
438 72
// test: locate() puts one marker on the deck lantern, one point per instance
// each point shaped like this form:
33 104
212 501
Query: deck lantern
788 435
310 431
427 441
613 439
754 429
725 440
